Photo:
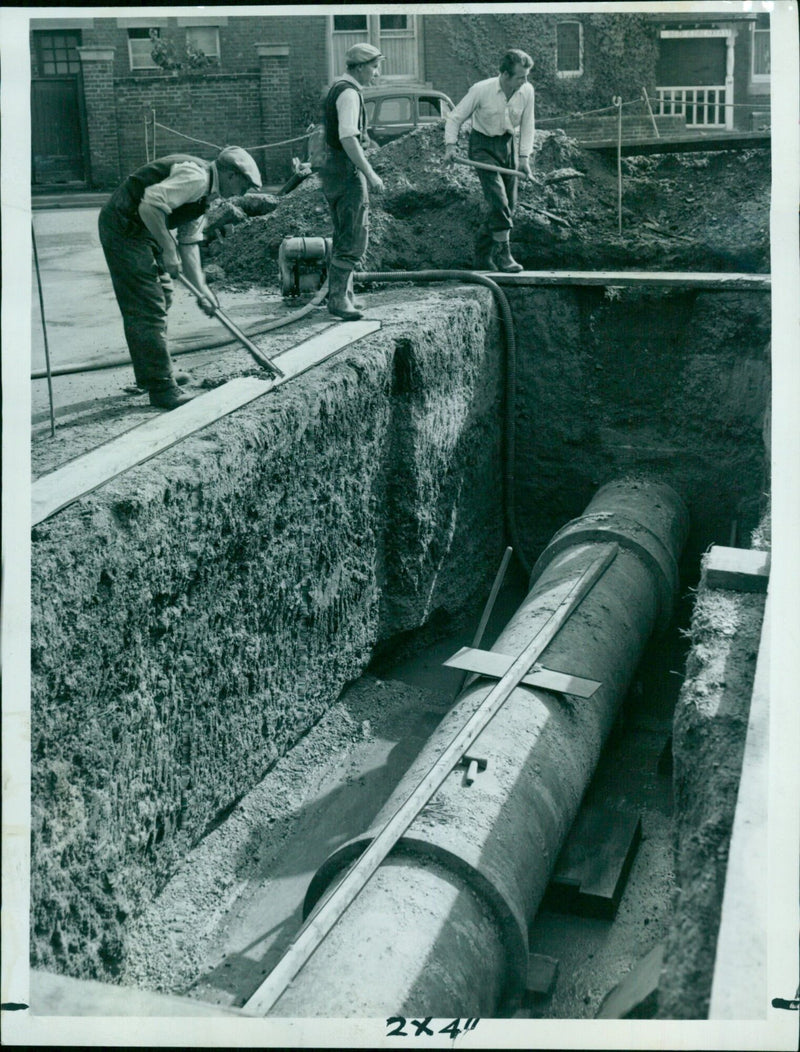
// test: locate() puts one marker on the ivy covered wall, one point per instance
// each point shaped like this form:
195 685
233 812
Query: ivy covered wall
619 56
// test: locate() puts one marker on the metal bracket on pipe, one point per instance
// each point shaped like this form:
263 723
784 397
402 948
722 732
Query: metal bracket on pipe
474 765
490 663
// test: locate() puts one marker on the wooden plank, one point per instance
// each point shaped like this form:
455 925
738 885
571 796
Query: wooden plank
636 996
739 986
591 871
332 907
739 569
490 663
712 281
86 473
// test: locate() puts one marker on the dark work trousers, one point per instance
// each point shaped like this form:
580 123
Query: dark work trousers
499 191
345 190
144 294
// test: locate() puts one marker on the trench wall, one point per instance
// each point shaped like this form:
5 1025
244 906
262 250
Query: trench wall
674 383
193 618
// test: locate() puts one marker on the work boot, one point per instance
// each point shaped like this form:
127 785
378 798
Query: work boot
338 304
352 302
169 397
138 389
485 258
505 261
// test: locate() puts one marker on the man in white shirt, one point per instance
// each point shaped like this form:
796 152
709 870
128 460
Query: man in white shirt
497 106
168 193
346 174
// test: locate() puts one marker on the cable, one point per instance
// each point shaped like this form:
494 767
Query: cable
509 454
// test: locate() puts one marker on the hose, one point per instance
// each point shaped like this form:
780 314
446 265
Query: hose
197 345
469 277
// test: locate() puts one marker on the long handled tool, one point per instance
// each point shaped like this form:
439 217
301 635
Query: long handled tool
516 175
44 332
262 359
495 168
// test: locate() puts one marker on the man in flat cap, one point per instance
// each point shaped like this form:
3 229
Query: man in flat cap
347 173
169 193
497 106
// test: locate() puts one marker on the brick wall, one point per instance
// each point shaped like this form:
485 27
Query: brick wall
98 94
220 109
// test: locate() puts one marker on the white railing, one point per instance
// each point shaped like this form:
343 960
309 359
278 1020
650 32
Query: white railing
702 107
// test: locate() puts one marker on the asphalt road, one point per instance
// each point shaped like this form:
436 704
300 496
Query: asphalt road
82 317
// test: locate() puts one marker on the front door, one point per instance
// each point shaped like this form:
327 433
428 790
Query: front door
58 154
395 35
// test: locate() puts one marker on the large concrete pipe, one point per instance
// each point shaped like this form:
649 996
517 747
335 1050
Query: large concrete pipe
441 928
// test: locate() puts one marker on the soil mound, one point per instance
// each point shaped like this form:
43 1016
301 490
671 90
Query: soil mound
692 211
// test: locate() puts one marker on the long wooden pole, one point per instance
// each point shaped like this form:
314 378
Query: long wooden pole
323 919
513 172
618 104
44 331
262 359
487 610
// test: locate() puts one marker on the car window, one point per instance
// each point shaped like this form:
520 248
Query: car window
369 106
429 108
394 111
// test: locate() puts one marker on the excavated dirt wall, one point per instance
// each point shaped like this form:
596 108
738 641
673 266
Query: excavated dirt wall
672 383
194 617
709 734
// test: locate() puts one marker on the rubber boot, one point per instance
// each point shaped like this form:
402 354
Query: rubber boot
505 261
486 260
337 295
352 302
169 397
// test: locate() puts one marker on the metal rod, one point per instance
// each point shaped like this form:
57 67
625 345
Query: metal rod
650 111
323 919
44 331
262 359
618 104
487 611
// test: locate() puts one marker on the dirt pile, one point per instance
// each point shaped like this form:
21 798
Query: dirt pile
694 211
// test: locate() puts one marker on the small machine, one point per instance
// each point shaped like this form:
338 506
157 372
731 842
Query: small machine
303 264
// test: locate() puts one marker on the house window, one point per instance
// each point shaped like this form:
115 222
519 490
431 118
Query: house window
761 57
140 48
349 23
569 49
57 52
205 39
394 24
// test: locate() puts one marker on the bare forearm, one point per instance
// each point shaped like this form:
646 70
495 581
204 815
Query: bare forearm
156 223
352 147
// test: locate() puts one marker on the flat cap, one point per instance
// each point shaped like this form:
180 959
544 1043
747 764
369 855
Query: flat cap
236 157
359 54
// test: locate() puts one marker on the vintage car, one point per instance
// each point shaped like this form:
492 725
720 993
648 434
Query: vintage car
394 110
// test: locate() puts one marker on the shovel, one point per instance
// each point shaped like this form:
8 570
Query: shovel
516 174
262 360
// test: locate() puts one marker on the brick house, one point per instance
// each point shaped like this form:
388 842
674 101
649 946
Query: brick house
101 104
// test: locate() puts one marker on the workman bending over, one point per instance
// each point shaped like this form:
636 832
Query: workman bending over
169 193
497 107
346 173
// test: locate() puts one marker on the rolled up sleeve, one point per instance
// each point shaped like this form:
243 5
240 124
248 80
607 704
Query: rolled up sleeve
348 109
186 182
458 115
527 124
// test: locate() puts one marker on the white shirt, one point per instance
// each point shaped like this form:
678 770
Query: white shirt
186 182
348 108
493 114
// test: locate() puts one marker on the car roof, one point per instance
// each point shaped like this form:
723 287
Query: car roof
403 89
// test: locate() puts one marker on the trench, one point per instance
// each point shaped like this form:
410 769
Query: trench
225 825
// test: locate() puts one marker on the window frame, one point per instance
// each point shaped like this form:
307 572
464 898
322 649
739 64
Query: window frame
39 36
358 30
566 74
152 64
758 78
215 55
